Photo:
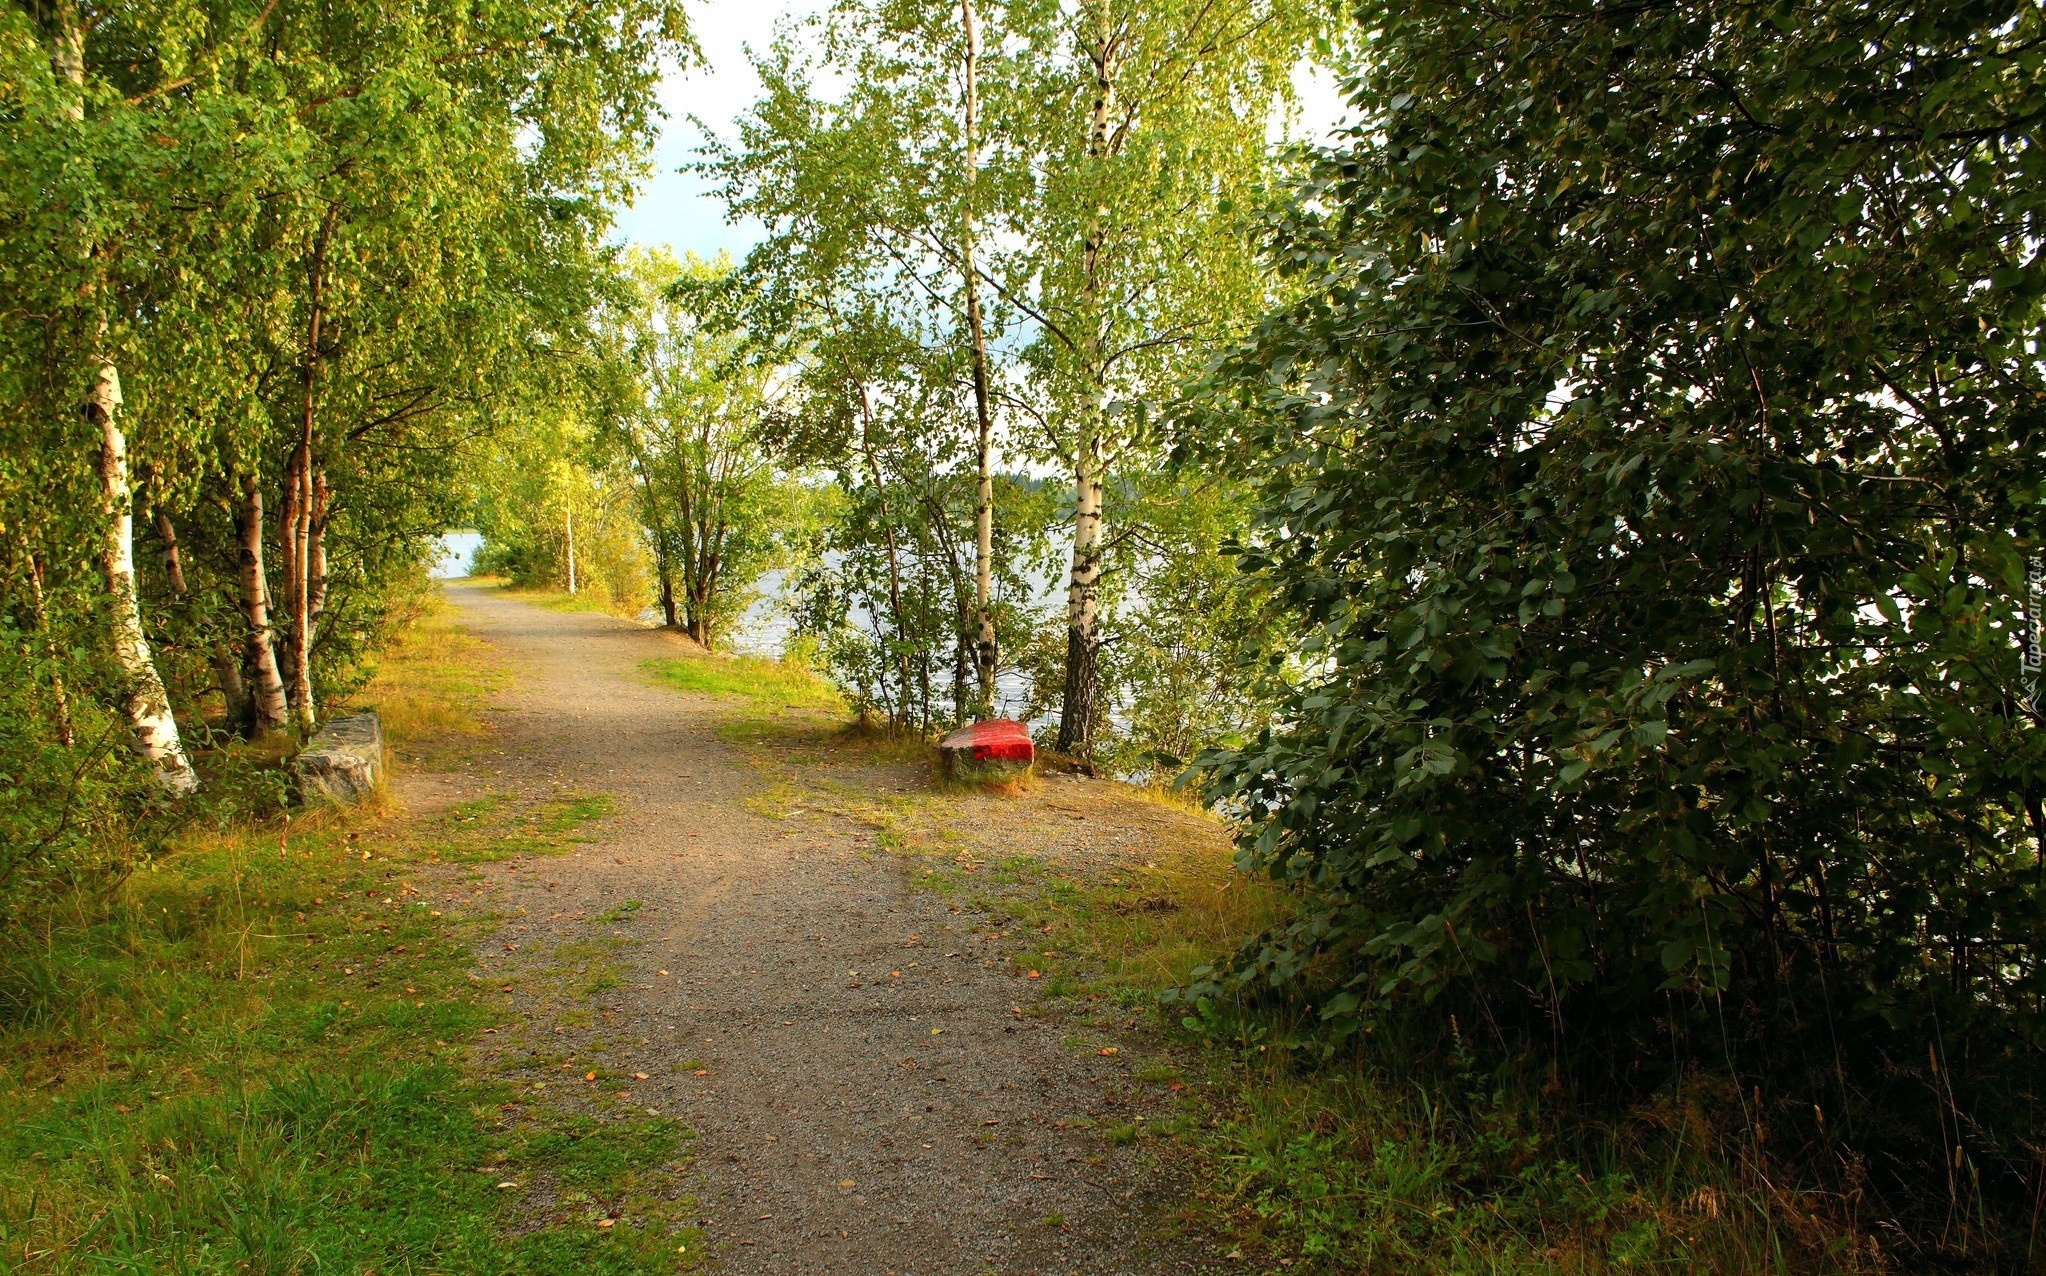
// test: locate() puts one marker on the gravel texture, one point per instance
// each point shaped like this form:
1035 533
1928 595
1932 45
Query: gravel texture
879 1093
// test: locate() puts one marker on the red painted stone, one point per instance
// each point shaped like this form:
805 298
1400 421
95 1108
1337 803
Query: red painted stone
995 749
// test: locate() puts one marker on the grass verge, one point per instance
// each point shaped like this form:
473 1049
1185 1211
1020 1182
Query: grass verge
254 1056
772 685
628 607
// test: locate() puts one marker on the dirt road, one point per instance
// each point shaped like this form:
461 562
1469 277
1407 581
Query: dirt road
876 1097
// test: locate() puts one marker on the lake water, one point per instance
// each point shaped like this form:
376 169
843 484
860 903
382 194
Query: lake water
457 555
765 628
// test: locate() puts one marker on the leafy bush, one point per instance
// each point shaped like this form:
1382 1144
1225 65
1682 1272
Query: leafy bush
1654 457
74 812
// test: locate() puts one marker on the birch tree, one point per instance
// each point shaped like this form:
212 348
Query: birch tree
142 694
895 190
692 430
1150 125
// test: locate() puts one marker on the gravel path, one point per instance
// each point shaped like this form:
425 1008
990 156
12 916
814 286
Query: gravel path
876 1096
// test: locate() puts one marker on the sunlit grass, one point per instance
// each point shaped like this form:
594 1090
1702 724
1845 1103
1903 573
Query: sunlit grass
252 1056
432 681
768 684
603 602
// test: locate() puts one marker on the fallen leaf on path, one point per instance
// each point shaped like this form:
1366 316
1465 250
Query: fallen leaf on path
994 1122
845 1183
701 1072
1109 1050
506 1186
1033 975
606 1222
589 1076
639 1076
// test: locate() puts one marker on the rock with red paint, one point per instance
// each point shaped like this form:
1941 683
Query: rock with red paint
988 752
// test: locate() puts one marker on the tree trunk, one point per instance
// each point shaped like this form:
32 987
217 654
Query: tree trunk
288 502
234 695
173 561
894 555
304 502
316 559
1083 595
571 552
143 697
266 690
299 638
60 706
984 509
667 590
227 673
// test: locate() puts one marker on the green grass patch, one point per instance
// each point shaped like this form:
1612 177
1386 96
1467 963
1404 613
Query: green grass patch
625 607
253 1056
767 684
431 685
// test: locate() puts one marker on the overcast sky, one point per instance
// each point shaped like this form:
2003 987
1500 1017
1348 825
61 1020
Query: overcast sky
676 208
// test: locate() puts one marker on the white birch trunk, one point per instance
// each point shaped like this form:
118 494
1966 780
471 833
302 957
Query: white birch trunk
570 516
143 697
1083 591
984 653
266 692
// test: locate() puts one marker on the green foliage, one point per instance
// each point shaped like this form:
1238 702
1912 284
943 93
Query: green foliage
1101 211
1193 651
693 427
1652 458
548 476
323 249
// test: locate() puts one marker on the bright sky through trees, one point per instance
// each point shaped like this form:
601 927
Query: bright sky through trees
679 209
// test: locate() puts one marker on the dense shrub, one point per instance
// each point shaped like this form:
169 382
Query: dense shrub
1655 455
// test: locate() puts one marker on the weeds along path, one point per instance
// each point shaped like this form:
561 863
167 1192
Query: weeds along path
871 1083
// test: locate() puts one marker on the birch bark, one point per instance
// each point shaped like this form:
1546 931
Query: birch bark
143 697
266 689
984 653
1078 710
